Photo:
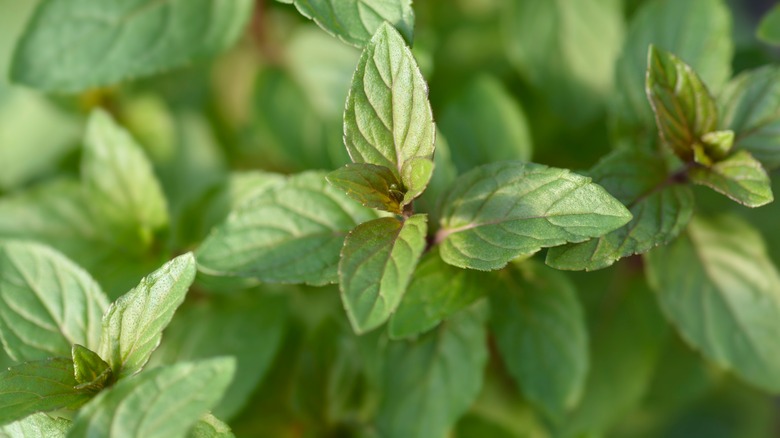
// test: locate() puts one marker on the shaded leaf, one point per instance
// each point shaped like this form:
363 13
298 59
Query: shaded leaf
499 211
371 185
740 177
769 28
377 263
47 303
91 372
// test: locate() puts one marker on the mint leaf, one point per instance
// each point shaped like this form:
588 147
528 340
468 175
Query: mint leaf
420 377
377 263
769 29
109 42
499 211
750 106
120 183
133 324
36 426
47 303
437 290
684 109
660 205
163 402
355 21
540 330
702 38
90 371
388 119
740 177
719 288
484 124
415 175
371 185
39 386
210 426
291 233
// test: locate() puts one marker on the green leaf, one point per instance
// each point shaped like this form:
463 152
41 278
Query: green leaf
39 386
355 21
718 143
210 426
109 42
388 120
377 263
484 124
371 185
437 290
36 426
47 303
164 402
740 177
702 38
718 287
540 331
90 370
133 324
750 106
499 211
291 233
661 207
684 109
120 183
769 29
249 327
429 383
415 175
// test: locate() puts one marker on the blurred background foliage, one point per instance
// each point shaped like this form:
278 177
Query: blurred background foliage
534 80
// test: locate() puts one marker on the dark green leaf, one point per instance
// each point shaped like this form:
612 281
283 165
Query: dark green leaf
388 119
437 290
661 208
430 382
377 263
497 212
740 177
355 21
717 285
39 387
291 233
90 371
484 124
47 303
70 45
769 29
133 324
684 110
750 106
164 402
541 335
36 426
371 185
210 426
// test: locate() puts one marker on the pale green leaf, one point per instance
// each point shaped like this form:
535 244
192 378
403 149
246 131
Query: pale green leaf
430 382
355 21
388 120
210 426
769 29
161 403
47 303
718 287
120 183
750 106
133 324
291 233
684 109
718 143
540 330
371 185
377 263
499 211
437 290
415 176
248 327
71 45
661 206
39 386
701 38
36 426
740 177
90 370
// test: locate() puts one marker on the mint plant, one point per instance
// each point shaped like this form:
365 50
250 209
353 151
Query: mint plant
369 218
